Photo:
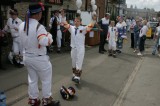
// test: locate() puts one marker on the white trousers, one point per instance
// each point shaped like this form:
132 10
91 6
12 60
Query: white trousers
77 55
16 46
39 67
112 45
58 38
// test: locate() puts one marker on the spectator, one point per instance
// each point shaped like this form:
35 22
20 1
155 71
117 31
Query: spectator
157 38
1 66
121 27
142 36
12 27
133 23
63 19
53 27
104 24
136 30
59 33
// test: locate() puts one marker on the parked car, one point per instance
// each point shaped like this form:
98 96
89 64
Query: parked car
152 29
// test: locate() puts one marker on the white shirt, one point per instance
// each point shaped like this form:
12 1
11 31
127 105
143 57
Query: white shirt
51 21
112 33
128 21
63 19
148 24
36 41
143 31
158 31
58 21
12 25
133 23
119 25
77 40
105 21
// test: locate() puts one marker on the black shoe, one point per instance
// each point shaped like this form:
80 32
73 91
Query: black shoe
104 50
20 65
73 78
2 68
53 103
118 51
58 52
109 54
153 53
77 81
101 52
114 56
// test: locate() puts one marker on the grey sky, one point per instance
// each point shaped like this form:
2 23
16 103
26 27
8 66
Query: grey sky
155 4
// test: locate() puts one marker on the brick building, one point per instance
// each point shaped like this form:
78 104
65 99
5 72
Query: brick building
51 5
101 7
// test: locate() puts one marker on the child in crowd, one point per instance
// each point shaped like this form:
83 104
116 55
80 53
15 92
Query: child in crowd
112 39
142 35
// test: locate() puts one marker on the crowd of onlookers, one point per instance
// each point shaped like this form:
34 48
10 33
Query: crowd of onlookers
139 29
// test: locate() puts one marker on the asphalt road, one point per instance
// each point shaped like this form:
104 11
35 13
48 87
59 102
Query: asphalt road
103 78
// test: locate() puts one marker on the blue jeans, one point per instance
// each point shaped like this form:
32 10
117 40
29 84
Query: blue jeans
120 43
136 41
155 47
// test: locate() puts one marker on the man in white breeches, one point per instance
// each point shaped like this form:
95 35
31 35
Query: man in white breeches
78 46
77 55
59 33
34 39
12 27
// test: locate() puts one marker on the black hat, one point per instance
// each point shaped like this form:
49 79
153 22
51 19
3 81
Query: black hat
36 8
13 12
33 9
67 93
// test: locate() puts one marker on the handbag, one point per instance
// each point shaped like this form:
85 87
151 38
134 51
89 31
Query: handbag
4 41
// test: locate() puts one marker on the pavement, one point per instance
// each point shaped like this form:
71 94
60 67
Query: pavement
128 80
144 90
142 87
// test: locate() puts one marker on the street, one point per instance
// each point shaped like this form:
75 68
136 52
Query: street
106 81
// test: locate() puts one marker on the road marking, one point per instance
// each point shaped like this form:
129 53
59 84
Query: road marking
123 92
16 93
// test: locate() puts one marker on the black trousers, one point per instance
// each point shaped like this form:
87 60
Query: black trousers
102 41
63 35
53 31
0 56
132 40
142 43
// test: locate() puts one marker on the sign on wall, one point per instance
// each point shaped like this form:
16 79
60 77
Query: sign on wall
56 2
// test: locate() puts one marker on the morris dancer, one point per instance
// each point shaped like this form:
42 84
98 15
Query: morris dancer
12 27
78 45
34 39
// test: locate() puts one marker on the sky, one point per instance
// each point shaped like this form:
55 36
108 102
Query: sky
155 4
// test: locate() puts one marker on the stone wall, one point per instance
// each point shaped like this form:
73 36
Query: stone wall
22 8
66 3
